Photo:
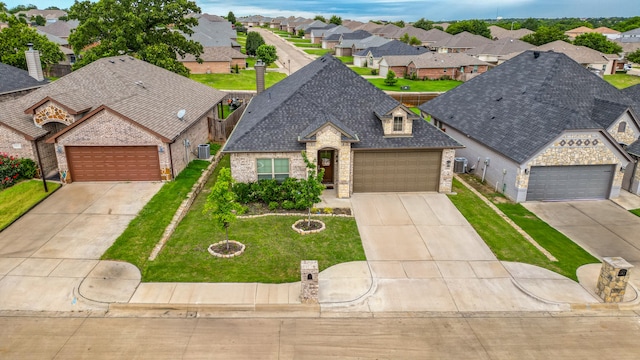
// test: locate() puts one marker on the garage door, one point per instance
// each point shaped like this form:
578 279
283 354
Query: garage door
570 182
113 163
396 171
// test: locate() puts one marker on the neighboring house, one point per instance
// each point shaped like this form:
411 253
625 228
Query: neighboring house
387 31
215 34
609 33
17 82
348 47
434 66
542 127
292 26
275 22
435 35
116 119
372 56
51 16
369 27
631 180
318 35
497 51
364 139
307 27
500 33
605 64
352 24
63 67
61 29
331 41
460 43
422 35
215 60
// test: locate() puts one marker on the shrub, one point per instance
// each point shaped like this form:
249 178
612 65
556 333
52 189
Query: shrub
9 170
27 168
288 205
244 192
273 205
327 210
374 71
315 210
445 77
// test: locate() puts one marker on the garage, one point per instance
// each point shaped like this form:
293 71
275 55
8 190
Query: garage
570 182
396 171
113 163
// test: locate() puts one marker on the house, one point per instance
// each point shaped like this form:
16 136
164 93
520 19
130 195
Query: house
63 67
317 35
352 24
348 46
370 27
17 82
422 35
116 119
434 66
631 36
215 60
61 29
589 58
460 43
51 16
331 41
497 51
276 21
542 127
498 33
293 25
364 139
387 31
435 35
581 30
307 27
371 56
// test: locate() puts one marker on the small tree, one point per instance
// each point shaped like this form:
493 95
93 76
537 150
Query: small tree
597 42
634 56
320 18
267 53
231 18
335 19
312 187
390 80
254 40
414 41
404 38
221 202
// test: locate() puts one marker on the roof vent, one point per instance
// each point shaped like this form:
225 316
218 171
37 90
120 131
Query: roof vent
181 113
498 99
122 60
536 54
111 61
140 83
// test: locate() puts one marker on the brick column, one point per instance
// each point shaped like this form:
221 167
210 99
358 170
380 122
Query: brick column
613 279
309 280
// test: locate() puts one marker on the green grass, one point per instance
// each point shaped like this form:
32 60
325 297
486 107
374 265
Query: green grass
635 212
299 41
273 250
246 80
417 85
345 59
361 70
508 245
137 241
214 148
307 45
622 81
318 52
415 110
18 199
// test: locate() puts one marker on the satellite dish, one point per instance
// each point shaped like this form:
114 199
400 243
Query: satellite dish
181 113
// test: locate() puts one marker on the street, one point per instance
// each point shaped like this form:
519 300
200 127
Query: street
416 336
291 58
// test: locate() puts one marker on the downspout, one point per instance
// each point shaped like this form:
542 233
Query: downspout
44 181
171 162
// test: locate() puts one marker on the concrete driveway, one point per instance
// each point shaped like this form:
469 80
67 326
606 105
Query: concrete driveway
46 254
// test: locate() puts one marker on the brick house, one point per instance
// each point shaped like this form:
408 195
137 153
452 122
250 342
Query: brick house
542 127
371 56
215 60
115 119
17 82
434 66
364 139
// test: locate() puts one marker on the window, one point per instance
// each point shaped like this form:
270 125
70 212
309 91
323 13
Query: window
273 169
622 127
398 123
475 68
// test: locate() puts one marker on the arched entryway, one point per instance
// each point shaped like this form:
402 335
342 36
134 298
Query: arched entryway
327 161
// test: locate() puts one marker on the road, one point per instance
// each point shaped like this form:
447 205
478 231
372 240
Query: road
291 58
417 336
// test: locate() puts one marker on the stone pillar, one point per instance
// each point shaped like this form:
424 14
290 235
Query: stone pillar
309 280
613 279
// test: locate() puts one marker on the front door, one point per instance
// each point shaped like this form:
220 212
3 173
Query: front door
325 161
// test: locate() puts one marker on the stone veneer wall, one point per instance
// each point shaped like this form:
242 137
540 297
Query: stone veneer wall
51 112
407 126
630 134
197 134
107 129
446 172
330 138
244 167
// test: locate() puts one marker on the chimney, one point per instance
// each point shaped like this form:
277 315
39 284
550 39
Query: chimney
260 67
33 63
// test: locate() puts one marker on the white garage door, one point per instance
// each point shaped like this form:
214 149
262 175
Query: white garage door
570 182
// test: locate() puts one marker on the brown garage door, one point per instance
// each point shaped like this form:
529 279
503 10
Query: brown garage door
390 171
113 163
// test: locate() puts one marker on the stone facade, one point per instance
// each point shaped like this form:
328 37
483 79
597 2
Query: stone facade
630 133
446 170
197 134
407 124
244 166
331 138
51 112
309 282
614 276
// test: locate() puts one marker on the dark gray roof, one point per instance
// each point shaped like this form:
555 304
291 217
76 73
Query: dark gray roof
358 34
520 106
325 91
633 94
14 80
634 148
393 47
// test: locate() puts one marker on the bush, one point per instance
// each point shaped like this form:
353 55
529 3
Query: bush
27 168
285 195
9 170
288 205
273 205
244 192
374 71
445 77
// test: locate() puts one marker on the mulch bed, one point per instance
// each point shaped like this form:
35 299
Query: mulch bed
307 226
222 248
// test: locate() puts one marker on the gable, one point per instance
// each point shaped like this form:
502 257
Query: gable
625 129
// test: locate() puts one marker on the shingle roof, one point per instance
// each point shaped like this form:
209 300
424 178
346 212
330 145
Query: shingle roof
501 46
463 40
634 148
435 35
499 33
213 34
324 91
387 30
60 28
335 30
393 47
370 27
222 53
53 38
447 60
418 33
14 79
146 94
580 54
371 41
521 105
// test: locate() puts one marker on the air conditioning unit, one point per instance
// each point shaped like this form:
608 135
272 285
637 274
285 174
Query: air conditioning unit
460 165
203 151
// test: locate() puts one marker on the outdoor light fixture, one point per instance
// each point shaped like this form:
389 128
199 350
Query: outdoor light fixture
448 164
59 149
526 171
622 169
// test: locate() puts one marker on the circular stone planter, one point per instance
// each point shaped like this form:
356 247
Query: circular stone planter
312 231
223 243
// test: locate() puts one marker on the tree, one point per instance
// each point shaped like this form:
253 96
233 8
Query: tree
477 27
423 24
14 40
39 20
311 188
634 56
597 42
52 8
545 35
267 53
22 8
627 24
415 41
254 40
390 80
531 24
399 23
320 18
231 17
404 38
3 7
151 30
221 202
335 19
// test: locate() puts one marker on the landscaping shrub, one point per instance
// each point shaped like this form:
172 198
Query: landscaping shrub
285 195
273 205
288 205
374 71
27 168
9 170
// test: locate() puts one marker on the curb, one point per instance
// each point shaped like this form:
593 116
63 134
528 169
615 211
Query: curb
220 310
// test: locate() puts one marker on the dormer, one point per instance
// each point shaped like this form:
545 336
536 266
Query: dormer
49 110
398 122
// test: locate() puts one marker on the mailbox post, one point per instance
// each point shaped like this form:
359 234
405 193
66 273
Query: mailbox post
614 276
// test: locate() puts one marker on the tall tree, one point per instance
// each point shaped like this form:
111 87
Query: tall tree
320 18
477 27
634 56
151 30
267 53
423 24
399 23
39 20
628 24
14 40
254 40
597 42
231 17
545 35
18 8
3 7
335 19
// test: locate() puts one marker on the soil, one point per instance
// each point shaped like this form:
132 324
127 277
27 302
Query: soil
260 208
304 225
222 248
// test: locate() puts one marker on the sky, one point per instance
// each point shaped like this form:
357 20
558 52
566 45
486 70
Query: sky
407 10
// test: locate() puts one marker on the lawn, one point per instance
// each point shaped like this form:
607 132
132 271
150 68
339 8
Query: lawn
18 199
361 70
246 80
415 110
307 45
635 212
345 59
508 245
622 81
299 41
318 52
417 85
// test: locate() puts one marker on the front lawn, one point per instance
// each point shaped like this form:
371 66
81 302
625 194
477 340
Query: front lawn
318 52
635 212
307 45
622 81
508 245
416 85
361 70
345 59
245 80
18 199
